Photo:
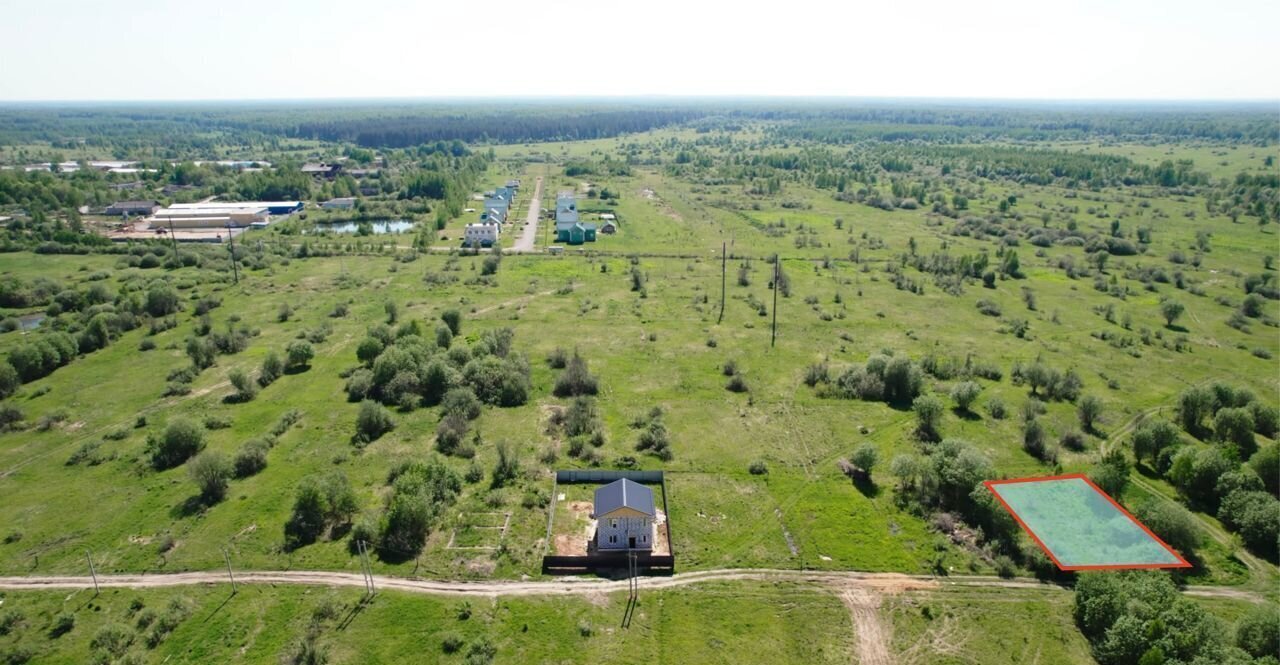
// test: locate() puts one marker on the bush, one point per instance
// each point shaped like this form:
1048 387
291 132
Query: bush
1258 631
576 379
557 358
320 503
865 456
964 394
507 467
996 408
499 381
299 355
451 642
461 401
453 319
1090 411
1072 440
758 468
928 410
1174 525
181 440
737 384
210 471
372 422
251 458
245 387
9 381
62 624
272 368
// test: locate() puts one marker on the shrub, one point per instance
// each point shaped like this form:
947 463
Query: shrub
1235 425
9 381
299 355
461 401
1172 523
451 642
557 358
1072 440
450 432
1089 410
321 502
507 467
996 408
245 387
576 379
1258 631
372 422
62 624
210 471
272 368
964 394
737 384
453 319
928 410
251 458
865 456
181 440
758 468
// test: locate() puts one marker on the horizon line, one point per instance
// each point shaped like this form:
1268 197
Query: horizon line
660 97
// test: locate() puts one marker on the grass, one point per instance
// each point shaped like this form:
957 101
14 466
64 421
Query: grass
781 623
660 346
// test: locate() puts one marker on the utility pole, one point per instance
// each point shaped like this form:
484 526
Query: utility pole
365 568
92 572
227 557
724 267
777 270
173 238
235 272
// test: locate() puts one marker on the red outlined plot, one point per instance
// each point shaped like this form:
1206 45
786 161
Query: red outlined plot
1079 527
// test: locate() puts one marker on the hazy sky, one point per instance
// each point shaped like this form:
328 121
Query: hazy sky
268 49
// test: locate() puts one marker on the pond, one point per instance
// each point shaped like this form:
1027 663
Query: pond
377 227
30 321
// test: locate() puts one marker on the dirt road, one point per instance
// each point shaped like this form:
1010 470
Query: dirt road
861 593
525 242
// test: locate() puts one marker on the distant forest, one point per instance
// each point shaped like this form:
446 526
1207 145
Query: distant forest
186 129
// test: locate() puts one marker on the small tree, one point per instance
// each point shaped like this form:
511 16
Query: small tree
865 456
9 381
1235 426
272 368
1090 411
444 336
964 394
372 422
210 471
453 319
928 410
251 458
393 312
246 389
576 379
507 467
181 439
300 354
1171 310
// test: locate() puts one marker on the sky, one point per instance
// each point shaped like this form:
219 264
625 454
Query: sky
91 50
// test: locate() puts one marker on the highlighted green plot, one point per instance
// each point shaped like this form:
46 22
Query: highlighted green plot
1080 527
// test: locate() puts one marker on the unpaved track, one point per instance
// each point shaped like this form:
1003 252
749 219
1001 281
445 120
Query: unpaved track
861 593
525 242
873 582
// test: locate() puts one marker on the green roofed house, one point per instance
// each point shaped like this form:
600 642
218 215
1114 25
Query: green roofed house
576 233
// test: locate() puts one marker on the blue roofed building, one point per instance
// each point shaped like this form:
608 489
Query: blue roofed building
625 516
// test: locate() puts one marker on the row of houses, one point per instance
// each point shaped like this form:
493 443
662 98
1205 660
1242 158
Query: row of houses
494 214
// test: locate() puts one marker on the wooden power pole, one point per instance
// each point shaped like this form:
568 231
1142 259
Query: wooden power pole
724 267
777 270
235 272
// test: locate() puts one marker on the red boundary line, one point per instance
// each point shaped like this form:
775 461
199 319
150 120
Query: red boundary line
991 485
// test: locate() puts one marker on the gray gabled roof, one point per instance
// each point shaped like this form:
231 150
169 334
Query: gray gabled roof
623 494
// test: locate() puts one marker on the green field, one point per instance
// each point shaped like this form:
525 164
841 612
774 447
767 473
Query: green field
758 475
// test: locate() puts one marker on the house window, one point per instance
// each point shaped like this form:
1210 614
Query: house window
613 524
613 539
